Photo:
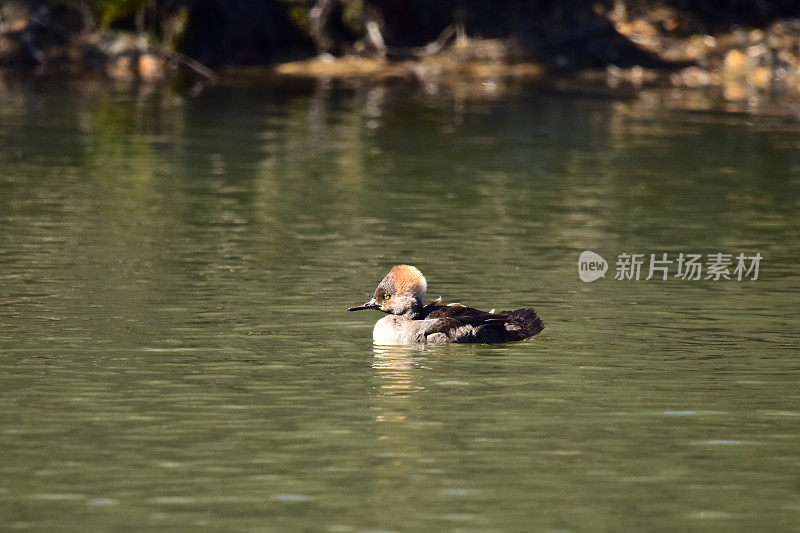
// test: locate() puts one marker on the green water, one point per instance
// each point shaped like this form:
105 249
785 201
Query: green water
175 354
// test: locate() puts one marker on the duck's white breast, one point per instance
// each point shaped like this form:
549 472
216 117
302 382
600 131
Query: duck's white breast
387 331
393 329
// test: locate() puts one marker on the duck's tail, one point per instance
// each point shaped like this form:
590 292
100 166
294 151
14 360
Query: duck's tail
523 323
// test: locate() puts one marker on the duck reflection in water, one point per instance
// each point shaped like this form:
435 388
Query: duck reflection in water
398 425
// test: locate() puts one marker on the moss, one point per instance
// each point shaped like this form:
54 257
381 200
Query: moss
111 12
298 15
175 29
353 12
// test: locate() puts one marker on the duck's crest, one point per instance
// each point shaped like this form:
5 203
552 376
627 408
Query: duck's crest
406 279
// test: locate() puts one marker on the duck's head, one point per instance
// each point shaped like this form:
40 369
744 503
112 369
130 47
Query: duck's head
400 293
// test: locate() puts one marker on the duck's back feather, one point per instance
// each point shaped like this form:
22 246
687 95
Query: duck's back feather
457 323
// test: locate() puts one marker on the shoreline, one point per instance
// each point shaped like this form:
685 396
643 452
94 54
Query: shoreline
616 50
751 72
639 100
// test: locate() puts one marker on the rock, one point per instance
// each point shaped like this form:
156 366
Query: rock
734 92
735 61
638 27
10 52
692 77
761 77
121 68
152 68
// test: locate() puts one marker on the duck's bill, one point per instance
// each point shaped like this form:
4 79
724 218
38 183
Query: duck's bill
369 305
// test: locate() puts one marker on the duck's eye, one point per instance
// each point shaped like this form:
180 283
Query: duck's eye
386 296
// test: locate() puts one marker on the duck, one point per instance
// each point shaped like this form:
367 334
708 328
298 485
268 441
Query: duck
400 295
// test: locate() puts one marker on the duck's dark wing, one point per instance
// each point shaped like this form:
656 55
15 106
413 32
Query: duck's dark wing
455 323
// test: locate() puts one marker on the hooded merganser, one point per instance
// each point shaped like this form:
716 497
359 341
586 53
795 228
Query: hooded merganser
400 294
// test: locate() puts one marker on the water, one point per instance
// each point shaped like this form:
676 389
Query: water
174 351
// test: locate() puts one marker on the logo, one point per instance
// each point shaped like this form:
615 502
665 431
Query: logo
591 266
688 266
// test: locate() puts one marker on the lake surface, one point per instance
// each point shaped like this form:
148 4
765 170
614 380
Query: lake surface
175 352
